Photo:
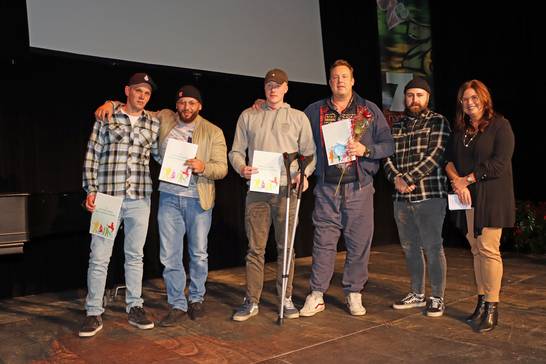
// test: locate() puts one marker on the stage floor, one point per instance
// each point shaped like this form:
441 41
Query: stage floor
43 328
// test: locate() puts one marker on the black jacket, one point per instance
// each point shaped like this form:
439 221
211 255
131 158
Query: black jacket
490 158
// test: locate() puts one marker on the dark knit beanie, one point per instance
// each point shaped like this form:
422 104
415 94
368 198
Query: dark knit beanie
418 83
189 91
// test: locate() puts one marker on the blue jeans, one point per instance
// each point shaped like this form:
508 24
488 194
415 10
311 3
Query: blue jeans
135 215
177 216
420 229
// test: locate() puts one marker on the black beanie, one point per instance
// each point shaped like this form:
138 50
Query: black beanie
418 83
189 91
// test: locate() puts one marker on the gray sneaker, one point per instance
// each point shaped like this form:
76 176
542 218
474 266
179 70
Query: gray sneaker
246 311
91 325
290 311
137 317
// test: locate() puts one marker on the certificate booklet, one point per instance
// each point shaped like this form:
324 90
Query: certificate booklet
269 167
454 203
336 136
173 169
104 220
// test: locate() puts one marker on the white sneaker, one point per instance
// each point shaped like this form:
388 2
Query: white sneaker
354 303
290 311
314 303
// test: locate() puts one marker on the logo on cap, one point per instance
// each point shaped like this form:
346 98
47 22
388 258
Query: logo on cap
277 75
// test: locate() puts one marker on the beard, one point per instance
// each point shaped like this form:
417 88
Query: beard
189 119
415 110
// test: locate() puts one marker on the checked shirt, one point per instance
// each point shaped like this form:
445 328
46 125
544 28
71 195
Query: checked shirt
420 143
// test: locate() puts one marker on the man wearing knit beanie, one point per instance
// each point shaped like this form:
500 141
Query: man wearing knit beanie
420 195
188 210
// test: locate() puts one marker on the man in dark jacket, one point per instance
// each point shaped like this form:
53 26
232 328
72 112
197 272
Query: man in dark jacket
344 192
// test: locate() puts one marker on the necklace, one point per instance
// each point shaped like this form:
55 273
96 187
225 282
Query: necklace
466 134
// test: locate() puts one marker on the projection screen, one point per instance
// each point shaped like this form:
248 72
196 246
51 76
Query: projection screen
243 37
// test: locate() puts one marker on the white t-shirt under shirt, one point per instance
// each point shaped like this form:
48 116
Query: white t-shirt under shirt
133 119
183 132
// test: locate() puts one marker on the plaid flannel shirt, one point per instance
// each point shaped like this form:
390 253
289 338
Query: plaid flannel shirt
420 143
118 156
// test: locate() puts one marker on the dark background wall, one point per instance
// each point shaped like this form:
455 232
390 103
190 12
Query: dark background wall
46 114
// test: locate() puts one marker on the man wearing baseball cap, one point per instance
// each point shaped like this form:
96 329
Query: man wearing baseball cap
272 127
117 163
186 210
419 199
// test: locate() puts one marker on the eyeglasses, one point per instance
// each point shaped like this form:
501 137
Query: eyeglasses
473 98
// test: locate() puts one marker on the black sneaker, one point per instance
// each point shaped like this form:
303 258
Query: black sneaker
435 307
91 325
410 301
137 317
196 310
173 318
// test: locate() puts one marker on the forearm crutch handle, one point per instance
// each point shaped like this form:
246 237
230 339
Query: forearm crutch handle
303 162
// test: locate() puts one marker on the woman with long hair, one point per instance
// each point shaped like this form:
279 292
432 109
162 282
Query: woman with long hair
479 167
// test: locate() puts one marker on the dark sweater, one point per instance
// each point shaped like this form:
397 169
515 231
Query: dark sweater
489 156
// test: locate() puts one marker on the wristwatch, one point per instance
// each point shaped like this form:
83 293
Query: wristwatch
367 152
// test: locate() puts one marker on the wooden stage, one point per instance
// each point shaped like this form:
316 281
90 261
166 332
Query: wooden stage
43 328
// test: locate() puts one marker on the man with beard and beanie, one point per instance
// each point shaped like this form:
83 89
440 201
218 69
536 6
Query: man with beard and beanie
419 199
187 210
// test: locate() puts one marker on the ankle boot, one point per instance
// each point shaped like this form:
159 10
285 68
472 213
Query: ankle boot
476 317
489 318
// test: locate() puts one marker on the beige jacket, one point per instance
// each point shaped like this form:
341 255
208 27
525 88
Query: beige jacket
212 151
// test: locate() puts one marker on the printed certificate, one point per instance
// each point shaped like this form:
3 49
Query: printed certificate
104 220
173 169
454 203
269 167
336 136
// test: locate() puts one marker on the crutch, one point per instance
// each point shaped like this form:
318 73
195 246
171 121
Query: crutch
303 161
